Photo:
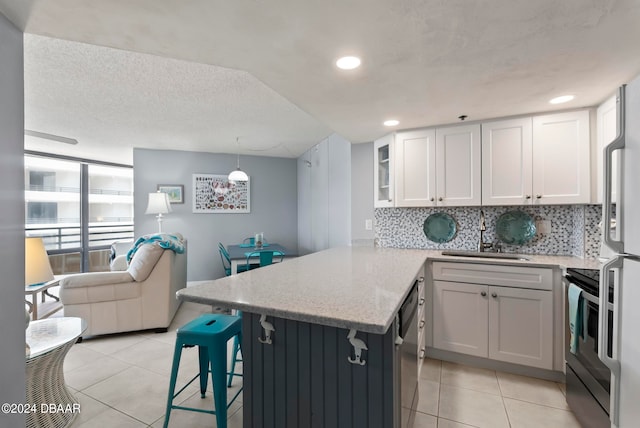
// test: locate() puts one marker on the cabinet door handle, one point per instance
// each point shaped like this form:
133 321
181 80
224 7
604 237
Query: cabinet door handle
494 295
423 353
483 294
440 199
422 323
538 196
527 196
432 199
421 279
421 301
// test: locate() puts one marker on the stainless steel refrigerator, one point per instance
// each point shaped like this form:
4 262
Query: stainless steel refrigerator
624 264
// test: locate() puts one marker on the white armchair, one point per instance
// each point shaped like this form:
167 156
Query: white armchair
139 298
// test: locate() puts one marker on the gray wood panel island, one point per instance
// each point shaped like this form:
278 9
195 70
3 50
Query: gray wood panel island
319 310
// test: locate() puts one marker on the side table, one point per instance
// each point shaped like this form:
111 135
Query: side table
47 308
49 341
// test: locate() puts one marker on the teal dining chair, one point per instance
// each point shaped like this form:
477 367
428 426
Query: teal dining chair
226 261
266 257
251 242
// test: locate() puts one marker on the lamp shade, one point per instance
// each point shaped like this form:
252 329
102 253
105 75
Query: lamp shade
238 175
37 268
158 203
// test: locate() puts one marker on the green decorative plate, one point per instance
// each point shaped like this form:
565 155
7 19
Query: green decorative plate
440 227
515 227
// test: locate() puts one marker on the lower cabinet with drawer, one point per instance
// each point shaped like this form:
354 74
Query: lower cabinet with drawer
504 313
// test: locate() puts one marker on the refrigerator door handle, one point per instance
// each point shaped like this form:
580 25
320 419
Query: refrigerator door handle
617 246
603 331
603 321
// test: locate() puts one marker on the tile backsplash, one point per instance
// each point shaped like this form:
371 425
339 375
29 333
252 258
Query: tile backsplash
573 229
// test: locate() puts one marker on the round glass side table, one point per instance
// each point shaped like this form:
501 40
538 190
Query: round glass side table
49 340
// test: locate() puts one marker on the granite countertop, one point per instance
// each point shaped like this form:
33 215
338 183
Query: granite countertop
348 287
534 260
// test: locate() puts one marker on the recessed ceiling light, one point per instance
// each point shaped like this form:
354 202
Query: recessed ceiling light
562 99
391 122
348 62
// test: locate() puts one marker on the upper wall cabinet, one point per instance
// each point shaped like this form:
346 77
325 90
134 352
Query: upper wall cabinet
541 160
458 166
383 174
438 167
607 129
416 168
561 167
507 162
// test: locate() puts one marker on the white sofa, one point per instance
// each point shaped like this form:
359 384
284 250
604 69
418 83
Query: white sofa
139 298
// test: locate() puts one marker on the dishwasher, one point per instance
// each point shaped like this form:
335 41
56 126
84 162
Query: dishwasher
407 352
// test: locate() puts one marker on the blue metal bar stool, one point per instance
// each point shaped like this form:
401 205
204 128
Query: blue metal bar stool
234 357
210 332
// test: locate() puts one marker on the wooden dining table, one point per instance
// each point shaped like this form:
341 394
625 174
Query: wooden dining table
238 253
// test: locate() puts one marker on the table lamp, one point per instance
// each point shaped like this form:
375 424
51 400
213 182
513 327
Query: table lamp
158 204
37 269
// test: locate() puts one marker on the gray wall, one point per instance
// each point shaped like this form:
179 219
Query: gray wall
362 193
324 196
273 193
12 368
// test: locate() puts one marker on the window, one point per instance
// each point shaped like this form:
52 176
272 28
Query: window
42 180
79 207
42 212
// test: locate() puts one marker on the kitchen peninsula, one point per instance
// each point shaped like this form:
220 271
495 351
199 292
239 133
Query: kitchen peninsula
310 373
306 375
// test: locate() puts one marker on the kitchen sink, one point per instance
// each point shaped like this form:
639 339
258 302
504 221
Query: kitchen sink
485 255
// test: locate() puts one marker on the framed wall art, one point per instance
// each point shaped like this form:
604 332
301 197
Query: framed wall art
175 192
214 193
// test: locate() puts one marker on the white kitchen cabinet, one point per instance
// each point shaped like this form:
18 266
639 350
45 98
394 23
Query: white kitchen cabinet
458 166
541 160
383 169
416 168
607 130
460 315
503 313
438 167
561 167
521 326
507 162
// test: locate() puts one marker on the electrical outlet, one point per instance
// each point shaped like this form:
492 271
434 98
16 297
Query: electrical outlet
368 224
543 226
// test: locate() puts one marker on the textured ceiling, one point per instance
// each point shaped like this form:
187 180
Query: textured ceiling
425 62
111 100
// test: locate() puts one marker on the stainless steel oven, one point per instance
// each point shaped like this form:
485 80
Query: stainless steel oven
588 379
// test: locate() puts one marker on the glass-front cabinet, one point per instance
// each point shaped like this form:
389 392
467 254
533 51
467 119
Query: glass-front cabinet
383 171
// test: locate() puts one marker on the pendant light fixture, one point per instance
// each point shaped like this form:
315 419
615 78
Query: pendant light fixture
238 174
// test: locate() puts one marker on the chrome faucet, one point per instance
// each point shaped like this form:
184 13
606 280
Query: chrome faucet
482 246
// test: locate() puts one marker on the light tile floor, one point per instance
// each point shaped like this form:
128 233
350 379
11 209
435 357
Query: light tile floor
122 381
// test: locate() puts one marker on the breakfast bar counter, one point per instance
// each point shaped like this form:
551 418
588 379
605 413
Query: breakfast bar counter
358 288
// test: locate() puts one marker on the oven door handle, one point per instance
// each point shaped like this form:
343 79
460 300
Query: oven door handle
603 331
593 299
588 296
